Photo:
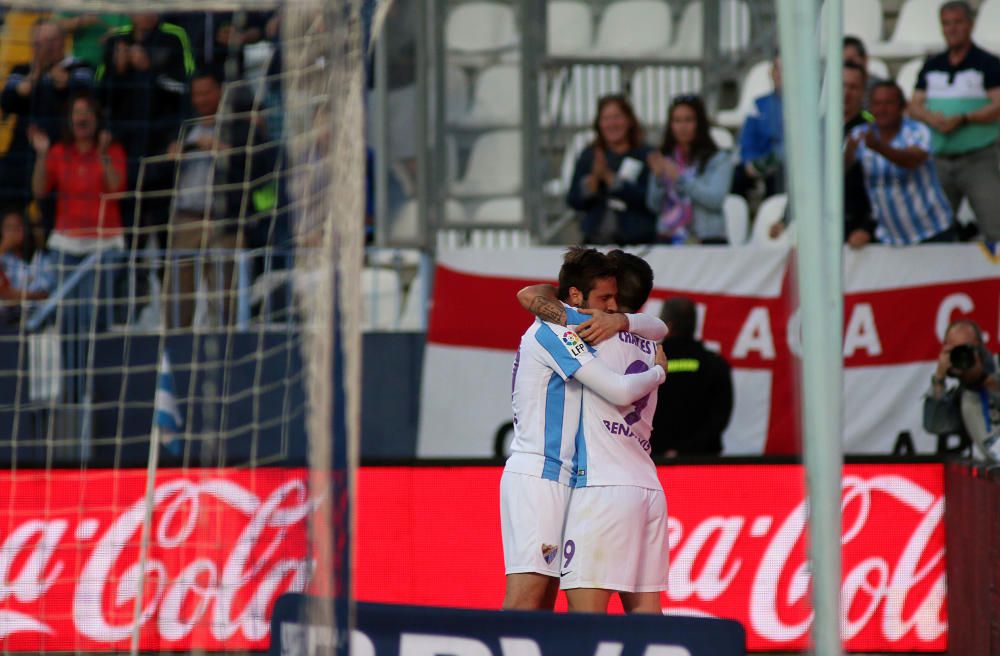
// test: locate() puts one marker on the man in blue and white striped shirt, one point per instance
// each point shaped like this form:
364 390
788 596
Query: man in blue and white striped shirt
906 196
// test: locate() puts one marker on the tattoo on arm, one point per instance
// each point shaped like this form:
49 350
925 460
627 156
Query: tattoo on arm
548 309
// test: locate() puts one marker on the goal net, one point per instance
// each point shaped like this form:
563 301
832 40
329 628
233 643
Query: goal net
182 239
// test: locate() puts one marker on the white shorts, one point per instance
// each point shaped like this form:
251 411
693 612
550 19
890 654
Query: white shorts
616 539
532 512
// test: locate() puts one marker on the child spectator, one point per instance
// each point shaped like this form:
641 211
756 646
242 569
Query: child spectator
25 272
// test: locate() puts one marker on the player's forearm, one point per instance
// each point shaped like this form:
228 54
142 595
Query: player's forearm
616 388
646 325
541 301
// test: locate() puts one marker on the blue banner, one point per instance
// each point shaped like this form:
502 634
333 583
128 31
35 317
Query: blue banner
388 630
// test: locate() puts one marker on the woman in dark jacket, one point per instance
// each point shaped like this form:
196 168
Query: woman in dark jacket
611 177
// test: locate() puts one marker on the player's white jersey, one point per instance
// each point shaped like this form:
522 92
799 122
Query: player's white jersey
615 447
546 402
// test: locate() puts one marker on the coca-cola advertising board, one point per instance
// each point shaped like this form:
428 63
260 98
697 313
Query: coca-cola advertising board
431 536
226 543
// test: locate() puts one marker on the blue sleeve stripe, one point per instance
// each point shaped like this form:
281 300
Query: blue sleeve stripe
555 403
574 318
554 347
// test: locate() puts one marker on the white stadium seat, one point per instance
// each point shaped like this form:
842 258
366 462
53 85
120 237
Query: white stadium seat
734 26
381 299
570 27
878 69
574 93
722 137
480 28
654 87
918 31
689 44
986 33
559 186
630 28
756 83
906 76
494 167
771 211
737 219
457 92
734 29
406 222
497 98
508 210
862 18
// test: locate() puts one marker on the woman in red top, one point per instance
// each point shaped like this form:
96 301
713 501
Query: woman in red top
82 171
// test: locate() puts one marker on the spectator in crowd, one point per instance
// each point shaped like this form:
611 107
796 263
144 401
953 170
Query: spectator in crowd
856 53
215 186
696 402
958 96
690 178
82 170
89 32
38 93
610 179
906 197
859 226
762 143
143 82
971 408
216 35
26 273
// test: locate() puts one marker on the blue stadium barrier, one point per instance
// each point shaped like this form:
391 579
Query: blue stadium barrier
389 630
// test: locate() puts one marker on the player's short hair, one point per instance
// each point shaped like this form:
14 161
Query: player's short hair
581 268
681 316
635 279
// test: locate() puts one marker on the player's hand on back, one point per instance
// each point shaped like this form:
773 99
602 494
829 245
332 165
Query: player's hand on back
601 325
661 357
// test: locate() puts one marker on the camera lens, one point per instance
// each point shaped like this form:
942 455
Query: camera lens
963 357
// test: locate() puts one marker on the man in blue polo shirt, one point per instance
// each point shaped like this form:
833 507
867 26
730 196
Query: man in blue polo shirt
894 151
958 96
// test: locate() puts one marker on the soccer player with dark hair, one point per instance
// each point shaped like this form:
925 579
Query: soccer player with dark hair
551 368
617 505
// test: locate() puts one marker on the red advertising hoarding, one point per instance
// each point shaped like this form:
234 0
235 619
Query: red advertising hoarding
226 543
431 536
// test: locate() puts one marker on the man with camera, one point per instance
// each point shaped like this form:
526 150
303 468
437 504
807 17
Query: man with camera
972 407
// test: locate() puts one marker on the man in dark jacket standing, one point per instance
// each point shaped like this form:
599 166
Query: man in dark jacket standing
696 402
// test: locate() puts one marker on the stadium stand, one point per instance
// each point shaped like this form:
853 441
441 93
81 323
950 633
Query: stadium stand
496 100
862 18
494 167
917 31
478 32
570 28
755 83
985 33
631 28
771 211
906 76
737 213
